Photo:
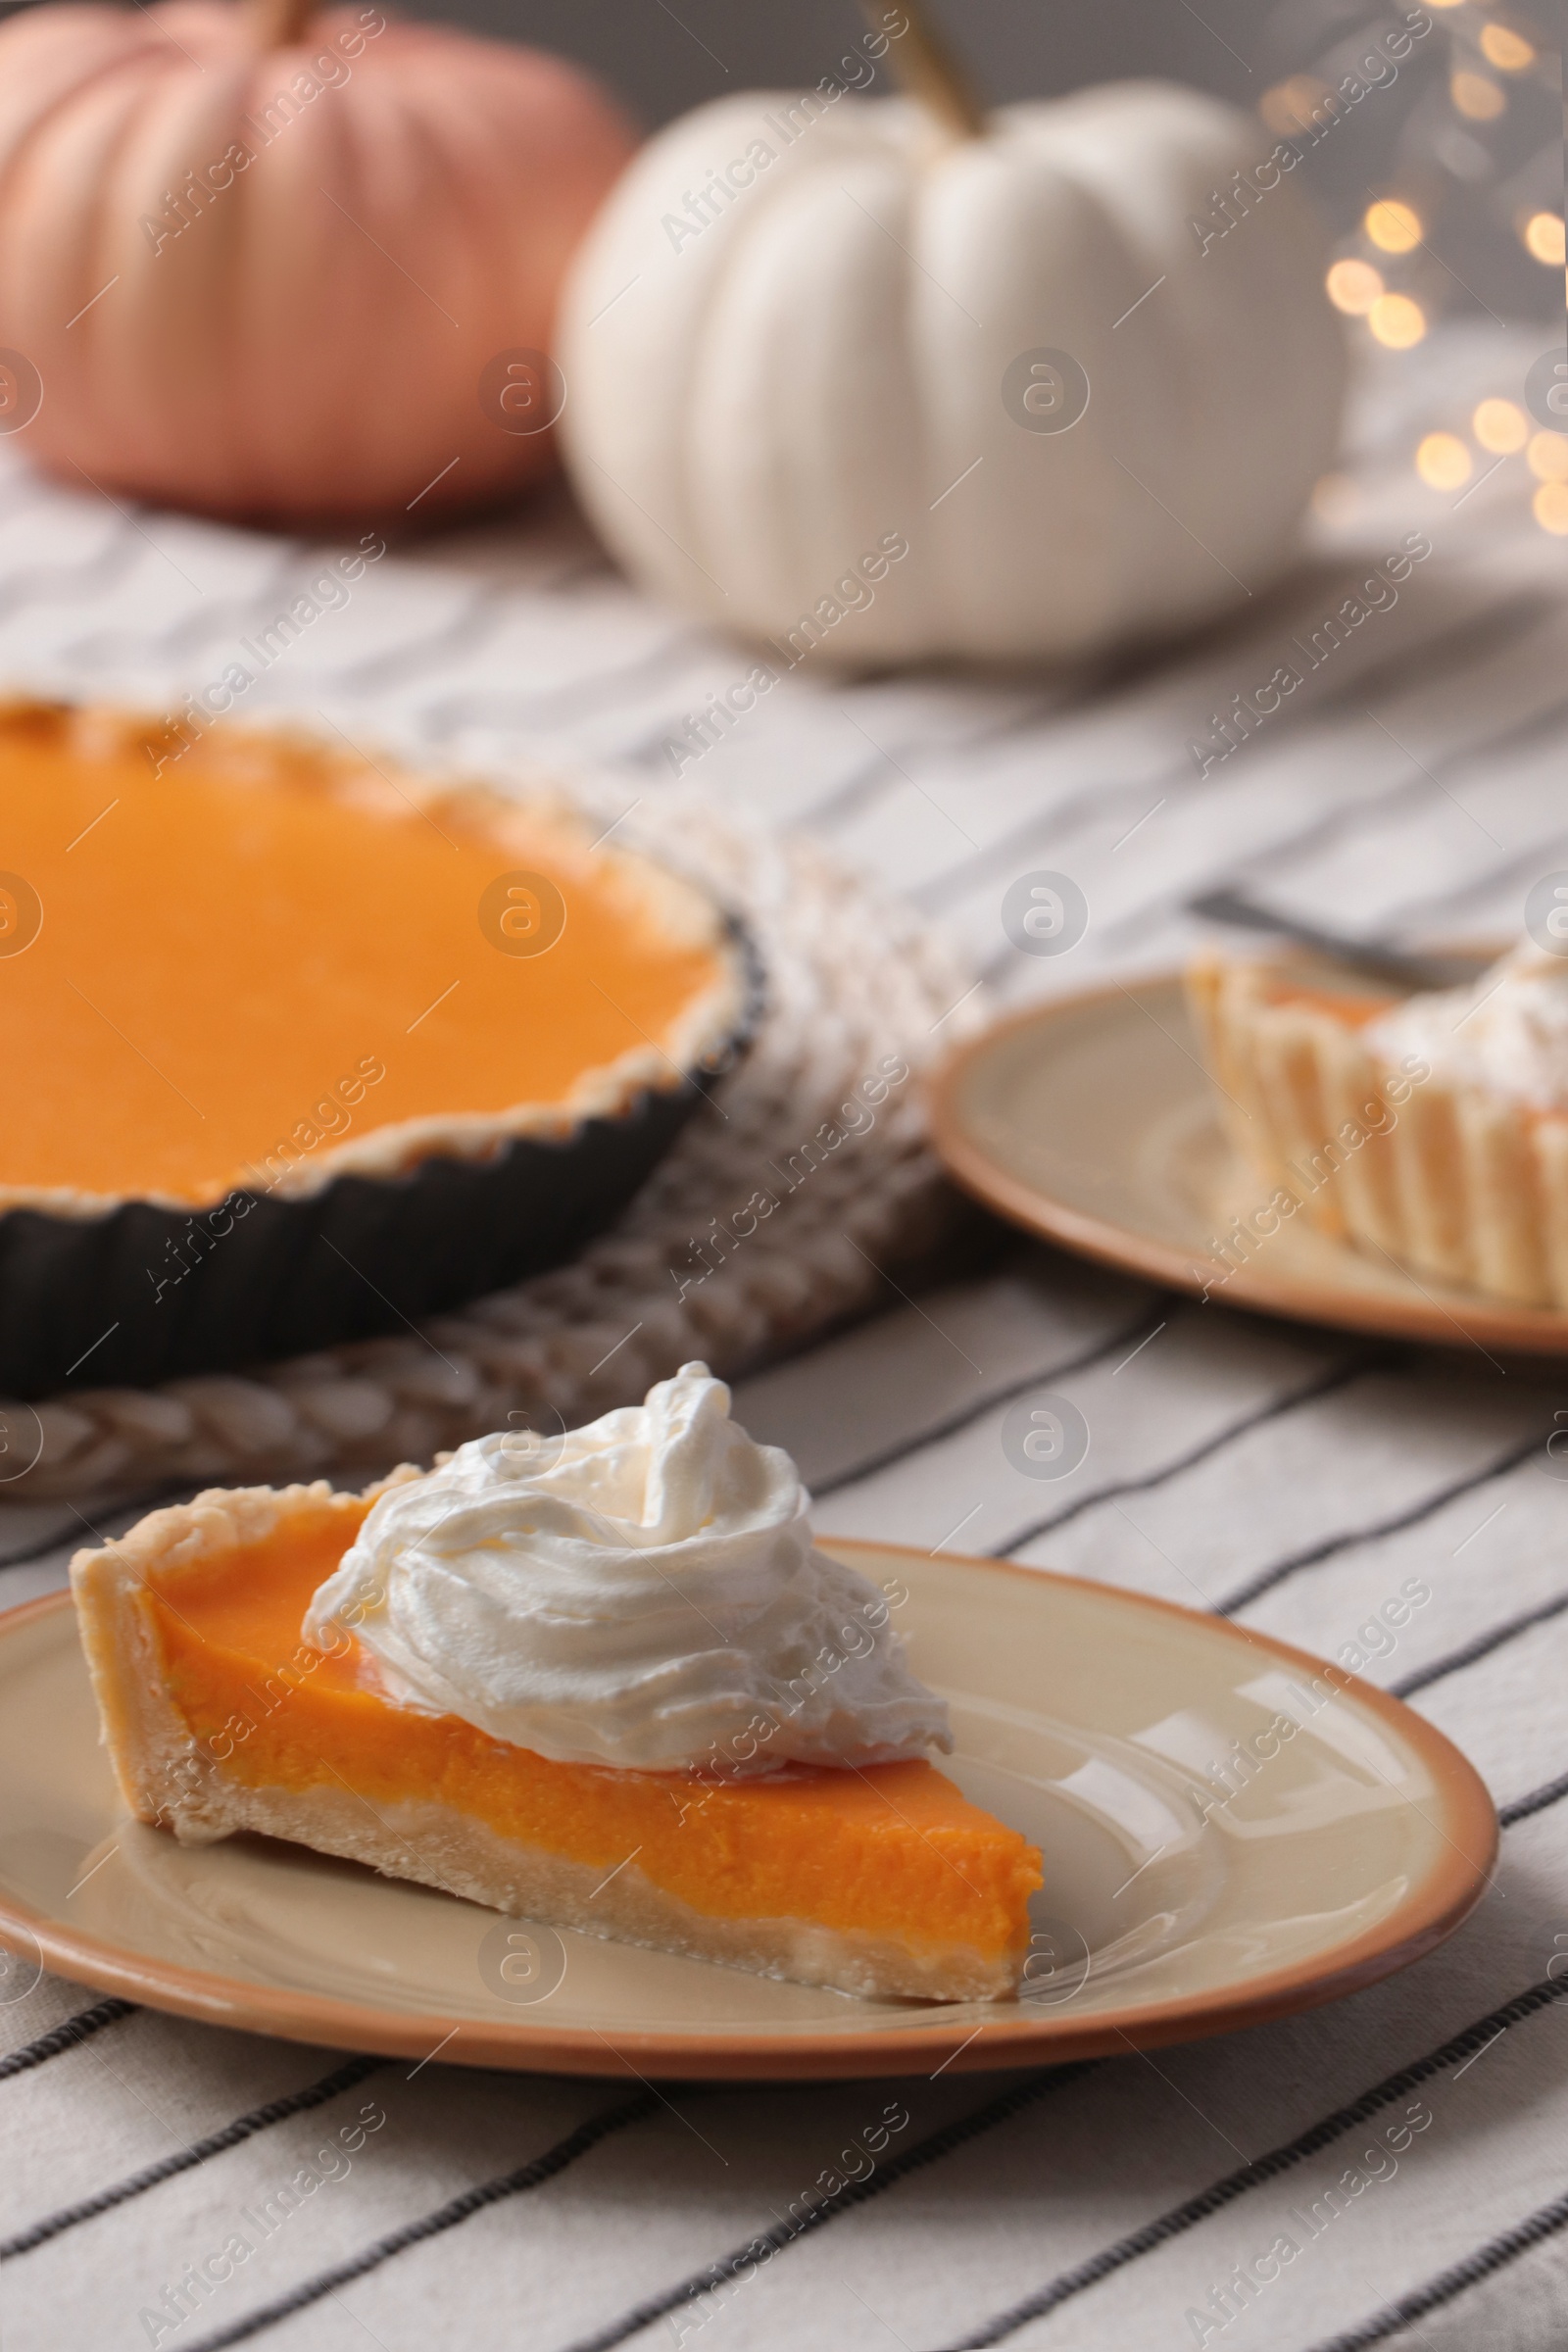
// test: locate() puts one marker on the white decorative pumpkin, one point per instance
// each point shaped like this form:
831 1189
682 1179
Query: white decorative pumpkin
878 393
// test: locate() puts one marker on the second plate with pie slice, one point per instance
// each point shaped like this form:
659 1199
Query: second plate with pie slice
1092 1121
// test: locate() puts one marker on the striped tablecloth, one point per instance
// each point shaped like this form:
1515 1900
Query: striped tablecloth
1291 1477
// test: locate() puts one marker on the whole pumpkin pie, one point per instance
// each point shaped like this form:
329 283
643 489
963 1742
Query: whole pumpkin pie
309 1045
610 1685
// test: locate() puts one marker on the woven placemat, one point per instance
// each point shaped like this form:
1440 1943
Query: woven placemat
770 1219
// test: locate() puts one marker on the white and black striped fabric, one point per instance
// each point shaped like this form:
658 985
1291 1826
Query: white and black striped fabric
1288 1477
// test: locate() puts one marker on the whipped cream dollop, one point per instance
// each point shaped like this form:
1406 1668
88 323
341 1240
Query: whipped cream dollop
644 1592
1508 1033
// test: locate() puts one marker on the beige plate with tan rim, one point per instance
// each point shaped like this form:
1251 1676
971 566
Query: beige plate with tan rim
1090 1120
1091 1719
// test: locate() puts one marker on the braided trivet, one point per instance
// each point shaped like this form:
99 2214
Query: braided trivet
854 990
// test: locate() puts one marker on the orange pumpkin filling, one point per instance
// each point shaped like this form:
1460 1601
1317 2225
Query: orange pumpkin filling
246 947
894 1851
1351 1008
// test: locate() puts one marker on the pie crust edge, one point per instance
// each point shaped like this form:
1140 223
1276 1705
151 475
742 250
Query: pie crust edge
1465 1184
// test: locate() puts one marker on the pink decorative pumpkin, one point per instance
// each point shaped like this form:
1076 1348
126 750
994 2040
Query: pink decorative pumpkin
268 265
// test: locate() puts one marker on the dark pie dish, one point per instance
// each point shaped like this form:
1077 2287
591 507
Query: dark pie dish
303 1048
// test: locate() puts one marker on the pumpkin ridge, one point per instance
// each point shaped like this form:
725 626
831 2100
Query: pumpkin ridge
287 373
139 42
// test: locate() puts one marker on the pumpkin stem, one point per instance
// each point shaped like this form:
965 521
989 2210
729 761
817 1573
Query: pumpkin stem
280 23
926 67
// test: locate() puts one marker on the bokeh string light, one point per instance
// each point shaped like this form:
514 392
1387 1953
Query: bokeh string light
1398 321
1443 461
1548 459
1354 286
1502 426
1393 228
1506 49
1466 203
1476 95
1543 235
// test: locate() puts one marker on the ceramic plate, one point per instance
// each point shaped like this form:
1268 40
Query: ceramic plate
1090 1120
1106 1727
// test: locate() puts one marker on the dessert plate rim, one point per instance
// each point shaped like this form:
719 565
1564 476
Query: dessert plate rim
1434 1904
1405 1310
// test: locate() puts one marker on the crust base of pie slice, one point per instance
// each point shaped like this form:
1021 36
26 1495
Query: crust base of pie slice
436 1845
906 1890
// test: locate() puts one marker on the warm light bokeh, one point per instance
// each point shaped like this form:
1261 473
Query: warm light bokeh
1506 49
1547 456
1393 226
1500 427
1477 96
1442 461
1551 508
1290 106
1397 321
1353 287
1543 237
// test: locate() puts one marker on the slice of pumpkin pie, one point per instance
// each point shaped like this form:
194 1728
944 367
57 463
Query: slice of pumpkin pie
1430 1130
606 1682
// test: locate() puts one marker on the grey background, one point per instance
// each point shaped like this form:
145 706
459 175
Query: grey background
1471 180
664 56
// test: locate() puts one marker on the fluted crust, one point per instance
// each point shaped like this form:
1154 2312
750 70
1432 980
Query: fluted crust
1444 1176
